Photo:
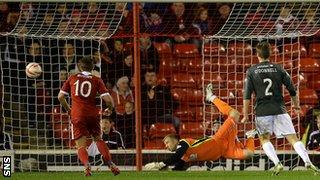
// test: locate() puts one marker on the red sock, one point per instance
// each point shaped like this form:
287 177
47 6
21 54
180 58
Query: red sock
250 144
104 150
83 156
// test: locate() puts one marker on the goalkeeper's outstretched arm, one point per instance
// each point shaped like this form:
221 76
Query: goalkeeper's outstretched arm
174 159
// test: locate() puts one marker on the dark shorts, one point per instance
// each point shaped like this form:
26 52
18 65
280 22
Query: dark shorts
85 126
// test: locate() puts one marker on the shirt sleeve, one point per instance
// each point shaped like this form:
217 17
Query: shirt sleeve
181 150
66 87
102 88
248 86
286 80
120 141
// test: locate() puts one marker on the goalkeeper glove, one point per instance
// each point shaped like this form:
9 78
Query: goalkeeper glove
154 166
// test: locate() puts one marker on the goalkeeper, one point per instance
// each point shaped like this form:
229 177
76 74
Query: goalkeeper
223 144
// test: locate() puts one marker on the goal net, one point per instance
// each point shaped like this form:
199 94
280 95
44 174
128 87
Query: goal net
229 53
55 35
179 55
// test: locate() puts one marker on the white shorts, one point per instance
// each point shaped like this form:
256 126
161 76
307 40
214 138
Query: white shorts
281 125
93 149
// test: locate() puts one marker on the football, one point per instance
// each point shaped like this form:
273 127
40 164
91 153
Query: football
33 70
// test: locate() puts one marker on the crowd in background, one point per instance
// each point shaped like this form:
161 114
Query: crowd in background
177 22
172 23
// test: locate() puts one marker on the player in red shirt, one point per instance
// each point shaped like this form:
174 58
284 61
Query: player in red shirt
85 116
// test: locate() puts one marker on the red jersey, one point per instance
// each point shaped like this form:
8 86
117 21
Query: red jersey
84 88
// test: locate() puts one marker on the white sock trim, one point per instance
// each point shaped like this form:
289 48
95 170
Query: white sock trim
212 98
271 152
301 150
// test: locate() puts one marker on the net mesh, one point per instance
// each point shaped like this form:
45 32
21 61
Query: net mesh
229 53
55 35
225 65
185 53
69 20
272 20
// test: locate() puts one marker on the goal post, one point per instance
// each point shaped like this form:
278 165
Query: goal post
229 53
55 35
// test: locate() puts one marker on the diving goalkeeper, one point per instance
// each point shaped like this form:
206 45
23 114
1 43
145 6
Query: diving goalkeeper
223 144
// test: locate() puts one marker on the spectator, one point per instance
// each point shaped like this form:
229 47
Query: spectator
285 22
59 78
309 21
129 108
220 17
116 56
112 137
76 22
63 27
126 125
68 59
121 94
48 23
310 16
149 56
34 52
144 20
63 75
16 47
202 22
92 7
26 11
122 64
213 126
118 46
48 19
309 123
224 11
103 53
126 24
155 22
102 60
63 67
97 63
92 14
149 21
36 88
90 21
4 10
314 138
157 103
179 24
12 20
61 12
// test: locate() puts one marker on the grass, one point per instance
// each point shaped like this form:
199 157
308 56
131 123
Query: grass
199 175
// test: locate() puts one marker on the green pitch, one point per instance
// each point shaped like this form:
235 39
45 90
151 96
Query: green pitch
212 175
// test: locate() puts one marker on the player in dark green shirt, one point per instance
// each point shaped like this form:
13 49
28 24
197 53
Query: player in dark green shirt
265 80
